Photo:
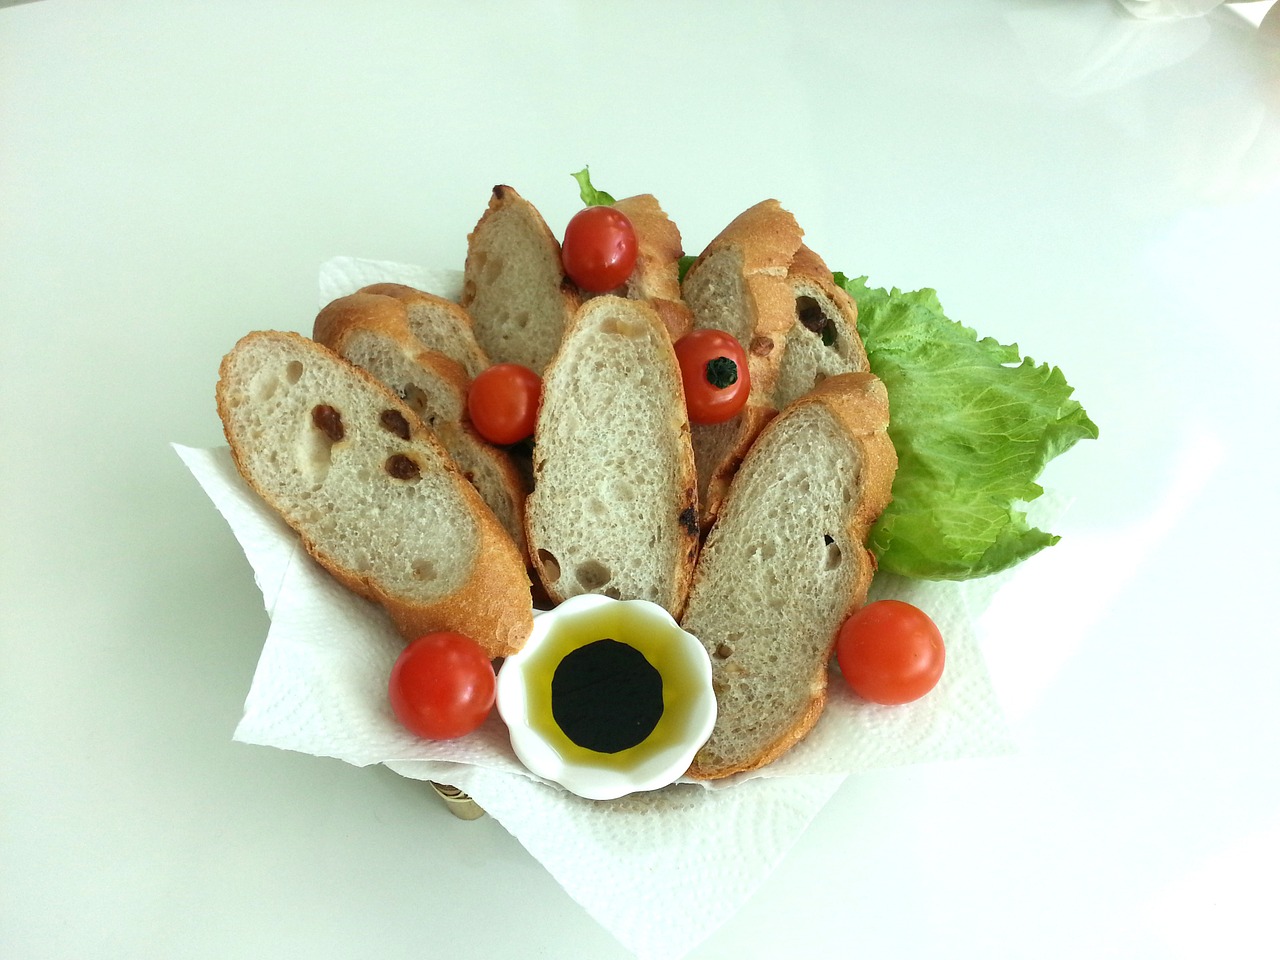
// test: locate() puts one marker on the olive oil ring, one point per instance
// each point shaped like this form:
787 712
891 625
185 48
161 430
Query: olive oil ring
607 697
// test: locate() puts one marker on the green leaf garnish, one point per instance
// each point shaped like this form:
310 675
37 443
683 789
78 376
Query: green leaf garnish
685 263
974 424
590 195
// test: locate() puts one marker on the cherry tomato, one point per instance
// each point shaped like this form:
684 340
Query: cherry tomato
503 403
713 366
442 686
890 652
599 249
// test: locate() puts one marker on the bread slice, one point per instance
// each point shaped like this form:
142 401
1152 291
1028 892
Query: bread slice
785 564
739 284
823 340
656 275
613 508
375 498
441 325
372 331
514 285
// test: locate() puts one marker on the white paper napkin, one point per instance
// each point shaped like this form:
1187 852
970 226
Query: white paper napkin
690 854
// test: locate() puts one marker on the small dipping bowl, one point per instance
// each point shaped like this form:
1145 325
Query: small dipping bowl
527 706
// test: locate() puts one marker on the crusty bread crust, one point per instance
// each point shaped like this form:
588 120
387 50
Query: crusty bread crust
402 291
457 341
342 321
767 235
656 276
858 405
492 604
759 244
806 263
385 316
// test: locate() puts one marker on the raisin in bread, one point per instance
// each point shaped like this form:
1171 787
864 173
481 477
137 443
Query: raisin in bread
758 281
823 340
372 331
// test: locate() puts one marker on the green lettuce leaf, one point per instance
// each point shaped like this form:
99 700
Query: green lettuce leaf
590 195
974 424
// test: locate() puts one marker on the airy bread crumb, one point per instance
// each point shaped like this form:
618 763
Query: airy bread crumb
613 509
389 516
785 564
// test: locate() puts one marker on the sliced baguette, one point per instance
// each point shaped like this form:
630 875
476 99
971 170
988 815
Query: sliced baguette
441 325
372 331
785 564
739 284
823 340
656 276
613 508
391 518
514 285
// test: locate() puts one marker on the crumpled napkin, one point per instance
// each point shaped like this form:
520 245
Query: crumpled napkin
690 854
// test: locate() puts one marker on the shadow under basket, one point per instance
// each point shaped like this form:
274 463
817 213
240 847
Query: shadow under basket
459 804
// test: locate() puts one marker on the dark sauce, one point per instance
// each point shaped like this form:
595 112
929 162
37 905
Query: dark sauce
606 696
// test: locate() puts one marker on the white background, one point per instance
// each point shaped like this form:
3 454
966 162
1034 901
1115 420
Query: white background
1101 190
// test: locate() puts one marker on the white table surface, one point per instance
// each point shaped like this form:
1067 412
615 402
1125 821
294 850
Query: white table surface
1101 190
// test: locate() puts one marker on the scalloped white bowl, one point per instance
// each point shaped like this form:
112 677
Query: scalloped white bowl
664 756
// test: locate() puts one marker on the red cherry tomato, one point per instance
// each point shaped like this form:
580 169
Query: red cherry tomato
442 686
599 249
503 403
713 366
890 652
